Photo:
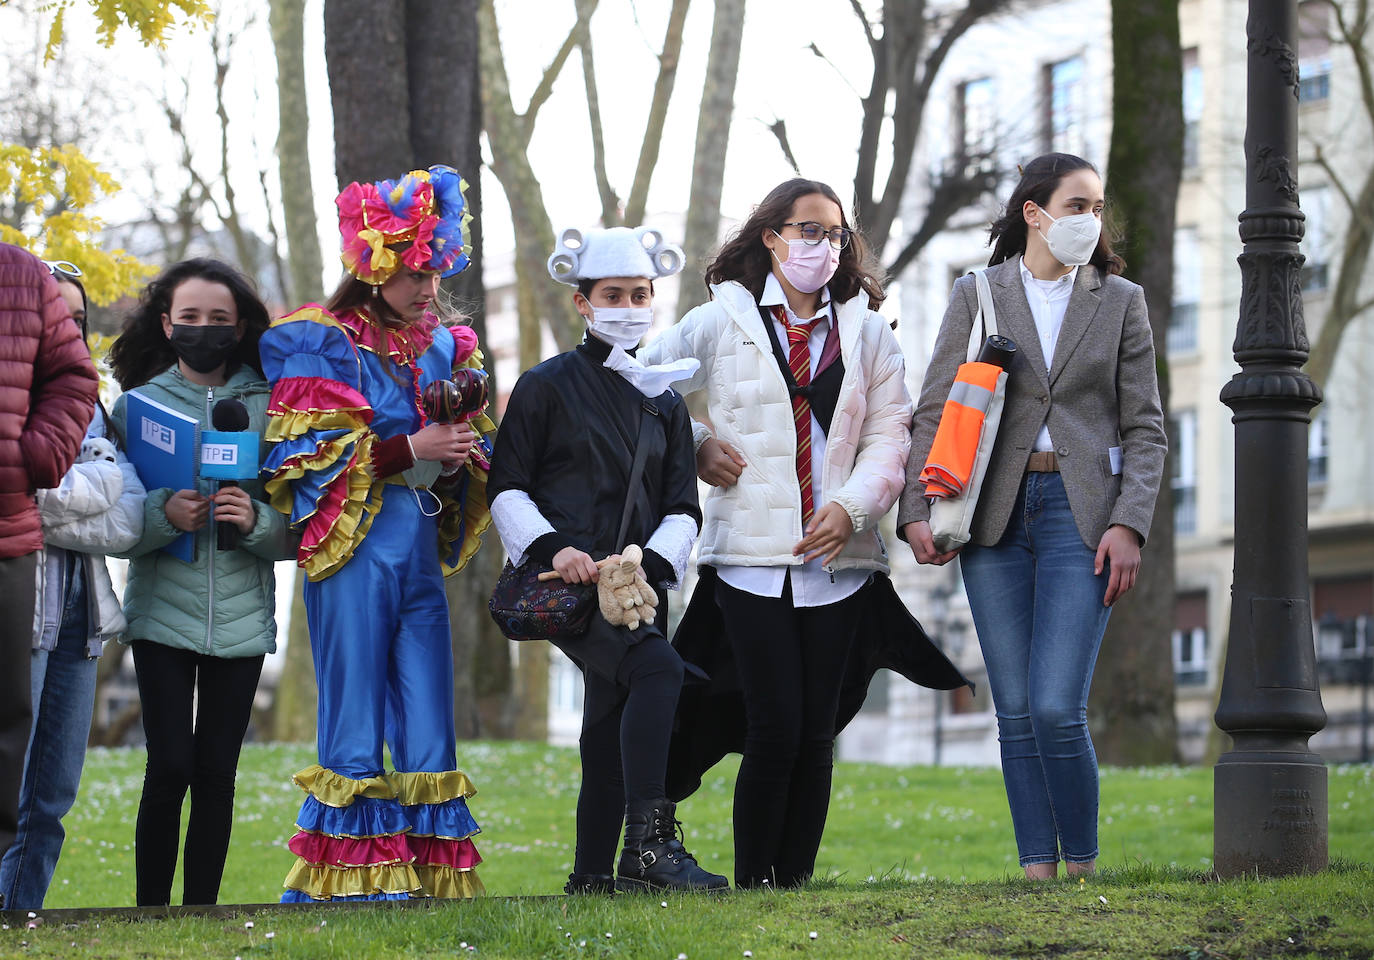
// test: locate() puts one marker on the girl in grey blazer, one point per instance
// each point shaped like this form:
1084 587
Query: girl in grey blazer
1067 499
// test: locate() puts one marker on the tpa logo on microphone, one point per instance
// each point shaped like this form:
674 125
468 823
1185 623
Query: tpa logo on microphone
219 454
229 455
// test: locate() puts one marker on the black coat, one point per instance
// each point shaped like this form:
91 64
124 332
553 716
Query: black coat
710 716
568 440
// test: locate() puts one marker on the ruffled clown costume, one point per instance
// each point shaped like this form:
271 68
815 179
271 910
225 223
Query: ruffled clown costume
375 552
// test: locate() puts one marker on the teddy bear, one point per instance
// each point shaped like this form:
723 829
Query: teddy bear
625 598
94 449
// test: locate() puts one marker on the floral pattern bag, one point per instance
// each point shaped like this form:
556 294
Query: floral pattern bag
527 608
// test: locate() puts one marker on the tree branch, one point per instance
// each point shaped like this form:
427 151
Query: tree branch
610 203
658 112
912 97
858 9
778 128
551 72
970 178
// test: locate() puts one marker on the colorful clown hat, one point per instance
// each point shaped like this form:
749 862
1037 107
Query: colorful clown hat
419 222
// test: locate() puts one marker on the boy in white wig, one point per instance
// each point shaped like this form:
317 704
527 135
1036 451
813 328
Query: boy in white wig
561 492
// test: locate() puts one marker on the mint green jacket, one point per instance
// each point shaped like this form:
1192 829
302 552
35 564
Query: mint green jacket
223 603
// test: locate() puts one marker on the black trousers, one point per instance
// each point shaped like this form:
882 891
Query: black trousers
16 710
626 726
200 752
791 662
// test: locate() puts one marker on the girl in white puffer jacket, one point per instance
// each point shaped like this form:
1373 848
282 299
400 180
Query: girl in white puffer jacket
97 509
811 422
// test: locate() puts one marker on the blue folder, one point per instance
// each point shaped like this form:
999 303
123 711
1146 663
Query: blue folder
162 448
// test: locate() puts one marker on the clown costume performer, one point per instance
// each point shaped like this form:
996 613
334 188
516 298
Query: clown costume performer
387 504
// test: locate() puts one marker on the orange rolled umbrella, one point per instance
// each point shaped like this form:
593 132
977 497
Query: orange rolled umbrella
953 455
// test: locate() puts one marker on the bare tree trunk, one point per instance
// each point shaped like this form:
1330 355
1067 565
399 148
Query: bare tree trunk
509 132
658 112
296 702
1132 707
1353 30
433 115
365 48
908 47
713 136
293 156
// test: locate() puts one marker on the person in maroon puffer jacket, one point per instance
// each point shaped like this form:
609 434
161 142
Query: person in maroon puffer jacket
47 395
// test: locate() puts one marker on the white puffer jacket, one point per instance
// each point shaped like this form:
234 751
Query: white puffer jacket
97 509
758 521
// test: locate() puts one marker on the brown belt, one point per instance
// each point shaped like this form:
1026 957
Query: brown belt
1042 461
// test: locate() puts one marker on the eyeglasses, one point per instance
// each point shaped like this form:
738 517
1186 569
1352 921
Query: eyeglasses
64 267
813 233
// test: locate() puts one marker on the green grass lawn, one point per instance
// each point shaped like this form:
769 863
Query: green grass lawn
917 862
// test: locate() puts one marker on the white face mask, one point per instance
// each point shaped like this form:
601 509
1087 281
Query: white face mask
1072 240
622 327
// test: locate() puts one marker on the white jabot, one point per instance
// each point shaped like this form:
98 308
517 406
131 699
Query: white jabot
1049 301
650 379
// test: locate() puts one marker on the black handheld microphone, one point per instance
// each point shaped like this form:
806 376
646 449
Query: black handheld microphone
229 416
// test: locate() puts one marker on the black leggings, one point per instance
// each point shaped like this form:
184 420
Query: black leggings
201 753
791 661
625 731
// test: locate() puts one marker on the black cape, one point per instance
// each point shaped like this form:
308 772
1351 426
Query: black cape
710 716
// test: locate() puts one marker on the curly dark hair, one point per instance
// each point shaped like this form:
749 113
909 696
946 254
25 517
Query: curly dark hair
1039 179
746 259
142 350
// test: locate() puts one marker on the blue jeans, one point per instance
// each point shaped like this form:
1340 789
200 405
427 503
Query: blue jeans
63 687
1038 610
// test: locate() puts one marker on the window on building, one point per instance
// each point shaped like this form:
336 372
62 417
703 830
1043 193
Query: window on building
1192 108
1343 617
1181 336
1314 51
1183 469
975 124
1318 448
1064 106
1316 240
1190 639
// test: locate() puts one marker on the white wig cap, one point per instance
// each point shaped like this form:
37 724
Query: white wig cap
615 252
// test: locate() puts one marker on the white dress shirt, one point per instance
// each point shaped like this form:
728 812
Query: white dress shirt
813 585
1049 300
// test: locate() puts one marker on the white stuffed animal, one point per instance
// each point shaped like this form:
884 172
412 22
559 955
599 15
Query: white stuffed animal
96 448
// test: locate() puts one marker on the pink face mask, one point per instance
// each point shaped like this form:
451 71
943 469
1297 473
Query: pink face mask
809 266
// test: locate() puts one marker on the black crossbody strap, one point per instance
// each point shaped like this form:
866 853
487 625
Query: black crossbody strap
648 414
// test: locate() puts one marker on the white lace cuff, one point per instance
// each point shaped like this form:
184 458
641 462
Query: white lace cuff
673 542
518 522
700 434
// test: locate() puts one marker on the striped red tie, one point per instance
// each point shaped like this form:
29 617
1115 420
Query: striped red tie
799 360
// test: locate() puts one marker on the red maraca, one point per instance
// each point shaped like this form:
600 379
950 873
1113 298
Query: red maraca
456 400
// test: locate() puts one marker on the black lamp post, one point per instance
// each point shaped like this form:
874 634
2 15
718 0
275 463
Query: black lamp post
1270 789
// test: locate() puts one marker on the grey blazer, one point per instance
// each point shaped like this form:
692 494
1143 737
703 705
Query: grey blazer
1102 392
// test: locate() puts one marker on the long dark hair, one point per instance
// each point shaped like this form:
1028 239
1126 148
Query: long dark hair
746 259
1039 179
142 350
111 431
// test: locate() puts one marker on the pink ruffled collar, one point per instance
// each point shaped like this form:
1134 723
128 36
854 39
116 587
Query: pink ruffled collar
402 344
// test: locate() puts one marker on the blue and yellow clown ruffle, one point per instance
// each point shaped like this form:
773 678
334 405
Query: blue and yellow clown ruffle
390 837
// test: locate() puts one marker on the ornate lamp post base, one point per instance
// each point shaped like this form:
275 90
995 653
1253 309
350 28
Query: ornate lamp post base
1273 821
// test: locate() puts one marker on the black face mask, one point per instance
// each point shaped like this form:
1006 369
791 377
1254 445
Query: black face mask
204 348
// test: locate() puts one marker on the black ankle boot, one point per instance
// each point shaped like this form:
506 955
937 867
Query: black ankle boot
654 858
589 883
